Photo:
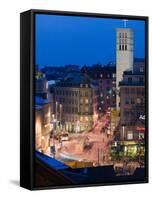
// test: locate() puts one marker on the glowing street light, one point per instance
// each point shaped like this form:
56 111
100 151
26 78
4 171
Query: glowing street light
123 131
60 115
56 110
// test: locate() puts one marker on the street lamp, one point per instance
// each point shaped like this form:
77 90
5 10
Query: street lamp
123 142
52 146
56 108
123 132
42 137
77 126
110 93
60 115
95 117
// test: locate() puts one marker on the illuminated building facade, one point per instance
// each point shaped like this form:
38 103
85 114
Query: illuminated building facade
76 103
42 114
132 106
41 86
38 127
106 77
107 87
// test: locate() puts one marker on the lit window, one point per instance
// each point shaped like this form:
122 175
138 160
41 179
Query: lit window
86 101
46 85
141 135
114 75
101 95
130 135
86 118
125 149
138 100
113 88
81 118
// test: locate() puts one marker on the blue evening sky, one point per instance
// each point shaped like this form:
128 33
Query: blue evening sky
62 40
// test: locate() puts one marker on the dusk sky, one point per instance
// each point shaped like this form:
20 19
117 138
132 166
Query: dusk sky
62 40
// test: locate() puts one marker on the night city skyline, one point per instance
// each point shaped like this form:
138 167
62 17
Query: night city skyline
62 40
90 98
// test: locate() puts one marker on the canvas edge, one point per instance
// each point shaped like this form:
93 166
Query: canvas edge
30 85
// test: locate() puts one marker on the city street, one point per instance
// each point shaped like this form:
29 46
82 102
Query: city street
87 147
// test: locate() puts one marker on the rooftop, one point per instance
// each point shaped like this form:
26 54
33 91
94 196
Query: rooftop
40 101
55 164
75 80
133 73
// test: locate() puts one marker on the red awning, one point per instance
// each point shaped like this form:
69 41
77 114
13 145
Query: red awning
140 128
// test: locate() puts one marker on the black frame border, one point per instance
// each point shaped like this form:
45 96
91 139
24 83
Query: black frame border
27 178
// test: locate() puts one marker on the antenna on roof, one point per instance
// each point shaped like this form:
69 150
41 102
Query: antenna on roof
125 22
